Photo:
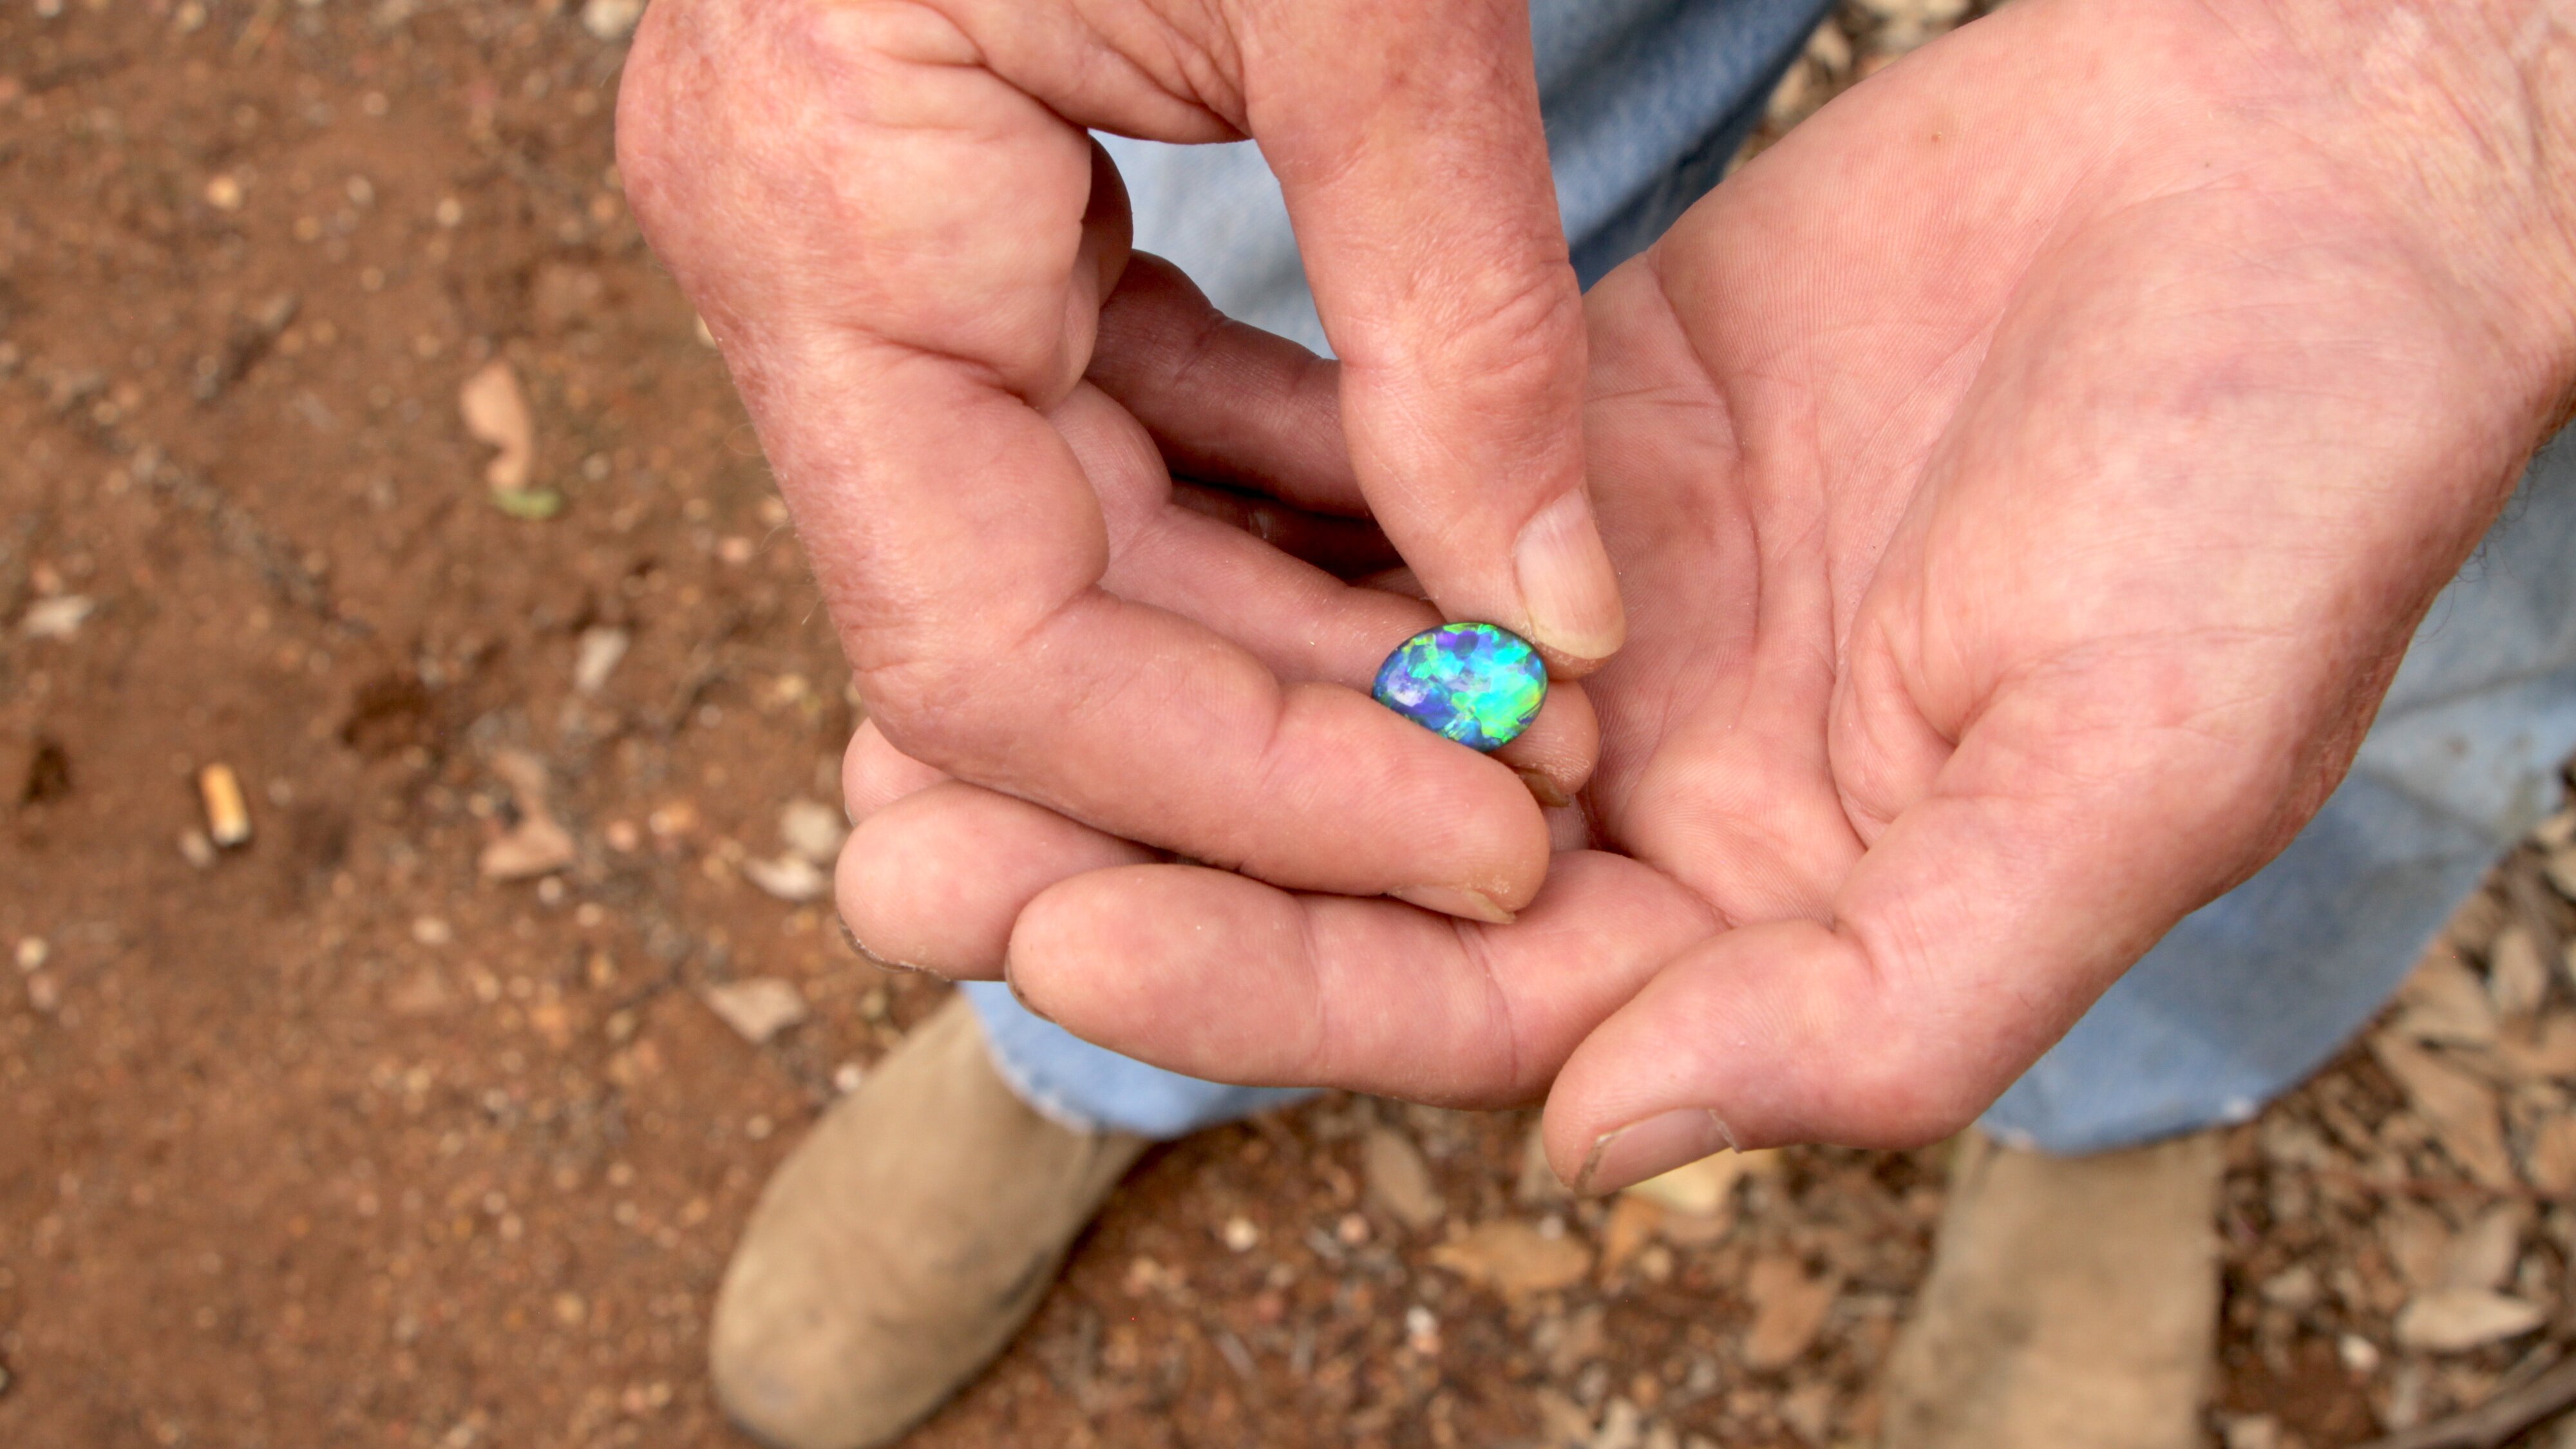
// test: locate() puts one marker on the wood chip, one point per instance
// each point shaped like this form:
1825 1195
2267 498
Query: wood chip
1514 1258
2453 1320
2460 1108
496 414
758 1008
1789 1310
227 814
1399 1181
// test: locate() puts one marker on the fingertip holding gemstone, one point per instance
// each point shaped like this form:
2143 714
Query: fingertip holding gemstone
1478 684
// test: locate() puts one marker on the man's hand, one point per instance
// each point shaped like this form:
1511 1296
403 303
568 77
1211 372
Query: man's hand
2027 476
891 219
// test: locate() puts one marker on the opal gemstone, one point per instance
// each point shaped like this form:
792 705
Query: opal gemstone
1473 683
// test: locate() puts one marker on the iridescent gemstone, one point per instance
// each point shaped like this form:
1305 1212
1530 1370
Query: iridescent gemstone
1473 683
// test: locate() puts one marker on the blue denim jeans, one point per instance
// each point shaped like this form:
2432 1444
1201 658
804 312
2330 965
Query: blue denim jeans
1645 102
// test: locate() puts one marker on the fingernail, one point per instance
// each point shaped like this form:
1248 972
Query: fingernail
1650 1148
1455 901
873 959
1021 997
1568 589
1543 789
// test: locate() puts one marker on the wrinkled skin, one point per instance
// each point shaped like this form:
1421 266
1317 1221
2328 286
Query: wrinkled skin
894 225
2024 480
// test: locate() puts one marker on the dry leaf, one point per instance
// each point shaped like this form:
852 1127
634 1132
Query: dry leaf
1562 1421
2517 972
2543 1048
1788 1311
496 413
2449 1320
1538 1184
1514 1258
2561 871
2551 1162
759 1008
1634 1222
1399 1181
2445 1002
2418 1240
1702 1188
2461 1109
2484 1254
1572 1341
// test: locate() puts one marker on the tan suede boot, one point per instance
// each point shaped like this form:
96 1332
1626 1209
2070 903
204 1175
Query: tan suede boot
901 1245
2072 1304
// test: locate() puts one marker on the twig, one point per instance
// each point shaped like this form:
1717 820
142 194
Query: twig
2498 1421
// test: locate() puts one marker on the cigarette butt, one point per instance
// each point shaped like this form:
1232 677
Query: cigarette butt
227 818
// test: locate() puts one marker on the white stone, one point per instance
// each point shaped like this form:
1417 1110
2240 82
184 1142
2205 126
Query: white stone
758 1008
611 19
59 617
813 830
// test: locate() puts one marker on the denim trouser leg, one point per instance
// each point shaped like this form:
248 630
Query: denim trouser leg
2253 992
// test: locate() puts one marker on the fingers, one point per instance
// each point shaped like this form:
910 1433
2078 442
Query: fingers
1346 548
1298 621
1407 143
1221 977
1225 401
904 255
874 774
934 880
2068 831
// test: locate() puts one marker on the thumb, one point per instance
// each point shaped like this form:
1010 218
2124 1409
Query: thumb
1408 145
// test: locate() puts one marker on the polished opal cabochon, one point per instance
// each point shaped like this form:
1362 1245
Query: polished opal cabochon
1473 683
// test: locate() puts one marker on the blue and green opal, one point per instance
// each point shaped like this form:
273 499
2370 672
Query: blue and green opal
1473 683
